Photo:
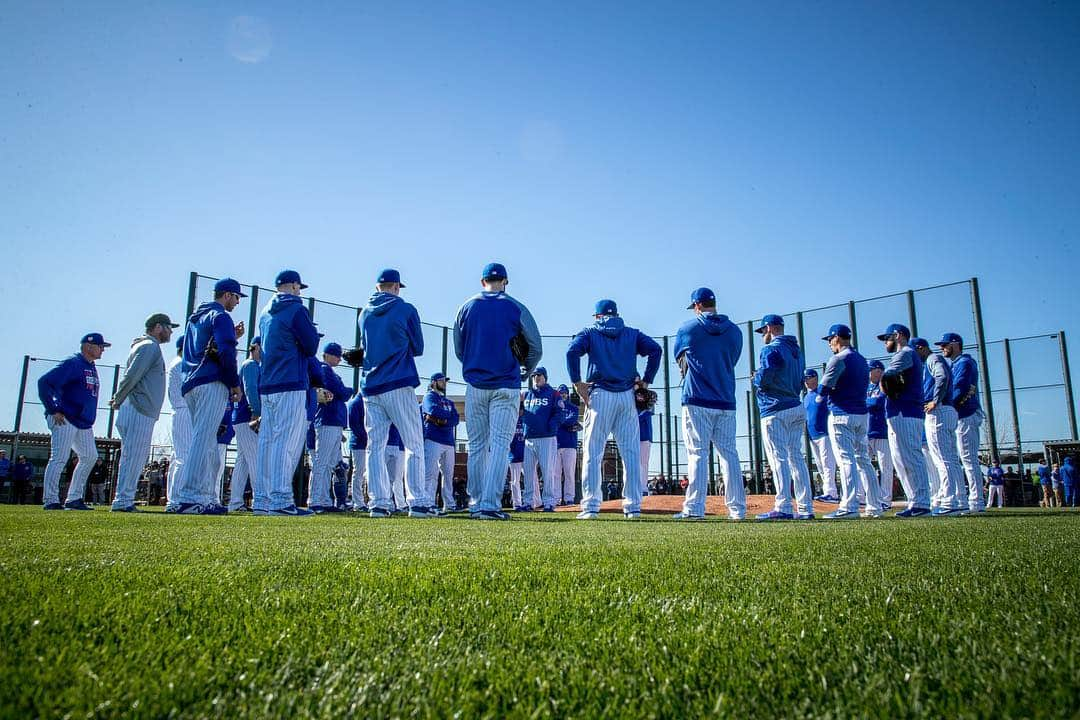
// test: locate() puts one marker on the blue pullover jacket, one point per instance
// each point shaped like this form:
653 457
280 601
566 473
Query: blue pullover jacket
844 383
937 380
566 436
357 431
71 388
517 443
289 341
483 329
438 406
209 322
965 386
613 349
876 427
243 410
543 411
817 415
644 419
707 348
333 413
391 337
779 377
907 362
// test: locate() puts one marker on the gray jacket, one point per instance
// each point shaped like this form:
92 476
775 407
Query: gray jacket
144 379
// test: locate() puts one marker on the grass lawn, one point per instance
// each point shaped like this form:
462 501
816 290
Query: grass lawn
153 615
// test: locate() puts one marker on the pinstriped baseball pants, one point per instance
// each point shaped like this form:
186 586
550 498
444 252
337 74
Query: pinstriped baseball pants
941 439
848 434
439 460
245 469
566 465
181 440
540 452
517 470
397 407
136 432
490 416
66 438
782 435
611 413
395 470
967 445
281 440
195 481
703 427
359 477
327 456
905 441
826 464
879 449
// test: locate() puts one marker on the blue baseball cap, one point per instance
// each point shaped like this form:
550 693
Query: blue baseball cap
94 339
894 329
439 376
838 330
494 271
540 371
390 275
563 389
767 321
289 276
257 340
332 348
701 295
809 373
919 342
949 338
606 307
225 285
876 365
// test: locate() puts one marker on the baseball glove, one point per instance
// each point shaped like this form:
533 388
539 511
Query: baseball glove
354 357
323 396
519 346
644 398
893 385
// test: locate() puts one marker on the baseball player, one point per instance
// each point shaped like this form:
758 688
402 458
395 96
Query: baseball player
289 340
995 476
817 426
904 416
395 469
877 432
245 412
138 401
210 382
517 464
645 436
965 398
777 382
225 435
932 477
497 342
941 429
358 450
707 348
608 395
440 428
843 386
181 419
566 439
391 338
69 393
331 417
543 412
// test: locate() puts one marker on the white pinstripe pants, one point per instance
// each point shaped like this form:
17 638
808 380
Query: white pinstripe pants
195 481
905 441
517 470
941 439
611 413
566 467
395 470
218 472
848 434
826 464
181 440
397 407
281 441
359 477
879 449
540 452
136 432
66 438
439 460
932 476
246 467
490 417
782 436
327 456
701 427
967 445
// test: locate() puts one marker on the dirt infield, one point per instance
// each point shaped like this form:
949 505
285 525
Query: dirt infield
714 505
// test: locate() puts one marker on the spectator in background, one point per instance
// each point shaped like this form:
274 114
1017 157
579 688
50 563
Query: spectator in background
683 484
995 476
1043 478
97 483
5 468
1057 491
1068 479
23 473
1014 490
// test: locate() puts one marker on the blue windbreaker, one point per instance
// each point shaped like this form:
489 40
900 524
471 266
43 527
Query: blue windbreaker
289 340
438 406
71 388
779 377
707 348
613 349
391 337
333 413
483 329
209 322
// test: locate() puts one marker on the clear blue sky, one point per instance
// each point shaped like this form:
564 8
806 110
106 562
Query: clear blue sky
787 155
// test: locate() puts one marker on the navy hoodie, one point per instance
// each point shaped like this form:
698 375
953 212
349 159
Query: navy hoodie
876 428
437 405
209 321
289 340
391 337
543 411
566 438
906 362
333 413
482 333
707 348
613 349
778 380
357 431
965 384
71 388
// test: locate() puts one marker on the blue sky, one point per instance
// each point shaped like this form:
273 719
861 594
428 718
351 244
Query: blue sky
787 155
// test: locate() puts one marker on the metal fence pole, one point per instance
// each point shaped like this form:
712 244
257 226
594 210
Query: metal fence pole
445 347
1067 376
980 340
253 313
802 345
1015 414
667 406
115 384
913 320
311 308
356 340
752 409
854 325
22 395
193 286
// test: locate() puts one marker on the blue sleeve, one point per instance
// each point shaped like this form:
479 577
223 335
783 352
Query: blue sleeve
964 376
532 336
356 417
434 408
454 418
249 378
332 382
682 341
225 337
315 373
459 333
833 370
579 345
416 333
650 349
51 387
307 335
555 416
899 362
771 363
939 371
875 401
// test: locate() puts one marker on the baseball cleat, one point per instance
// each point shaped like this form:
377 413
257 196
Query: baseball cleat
587 515
127 509
52 506
886 506
828 499
943 512
686 516
360 508
631 515
489 515
523 508
775 515
320 509
841 515
184 509
420 511
214 509
77 505
242 510
804 516
549 508
913 512
290 511
873 514
378 512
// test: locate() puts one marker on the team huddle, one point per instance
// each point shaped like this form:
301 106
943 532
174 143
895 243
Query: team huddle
919 413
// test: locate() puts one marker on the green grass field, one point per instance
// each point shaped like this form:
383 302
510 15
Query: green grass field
152 615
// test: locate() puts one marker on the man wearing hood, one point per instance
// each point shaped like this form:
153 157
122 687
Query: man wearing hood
707 348
211 380
391 337
487 328
138 399
969 415
904 416
608 396
289 342
777 383
941 429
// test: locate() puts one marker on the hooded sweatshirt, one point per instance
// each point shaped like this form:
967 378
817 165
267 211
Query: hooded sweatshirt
876 428
817 415
333 413
437 406
566 435
613 349
482 333
517 443
289 338
249 405
71 388
707 348
144 378
779 376
906 362
357 431
209 322
391 337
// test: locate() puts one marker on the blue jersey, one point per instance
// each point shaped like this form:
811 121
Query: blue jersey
209 352
817 415
707 348
613 350
333 413
71 388
876 428
779 377
543 411
996 475
844 383
965 386
249 405
517 443
484 327
438 407
906 362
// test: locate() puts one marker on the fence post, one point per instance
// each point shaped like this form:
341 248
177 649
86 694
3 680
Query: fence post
667 407
1015 414
913 320
193 285
852 323
802 346
18 421
752 410
445 347
253 313
115 384
1067 376
356 341
980 340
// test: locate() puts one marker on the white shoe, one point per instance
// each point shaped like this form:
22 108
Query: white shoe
873 514
631 516
587 515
